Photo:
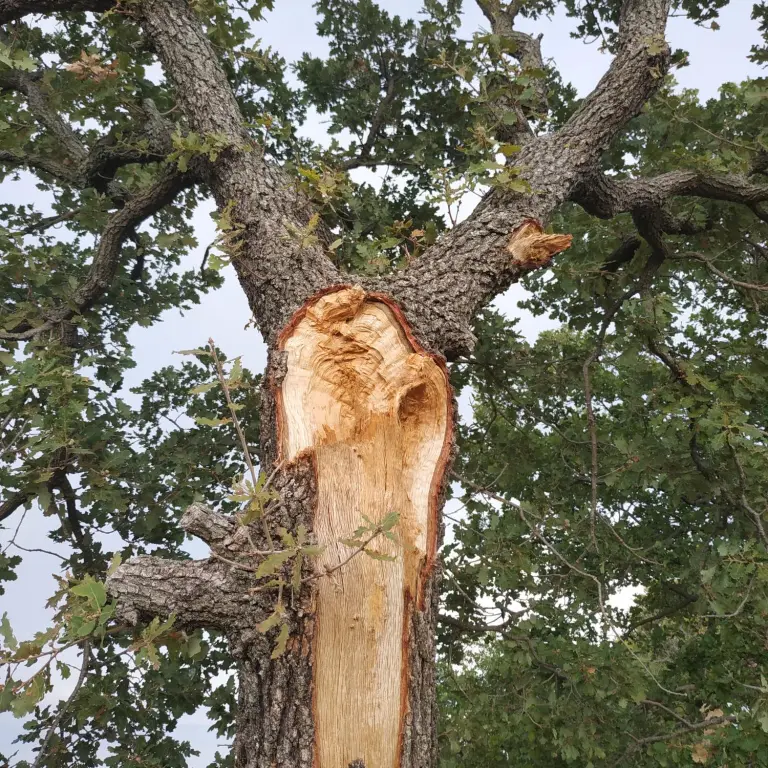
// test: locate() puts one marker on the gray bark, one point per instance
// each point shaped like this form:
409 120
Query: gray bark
279 272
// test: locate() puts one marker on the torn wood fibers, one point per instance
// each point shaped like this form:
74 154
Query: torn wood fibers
375 412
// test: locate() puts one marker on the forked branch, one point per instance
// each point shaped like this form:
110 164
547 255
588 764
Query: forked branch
106 260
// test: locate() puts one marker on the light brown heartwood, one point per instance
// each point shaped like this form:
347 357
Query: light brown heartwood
375 413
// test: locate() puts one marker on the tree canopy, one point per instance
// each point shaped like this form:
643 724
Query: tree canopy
623 453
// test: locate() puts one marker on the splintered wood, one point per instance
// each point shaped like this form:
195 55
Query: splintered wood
374 409
531 247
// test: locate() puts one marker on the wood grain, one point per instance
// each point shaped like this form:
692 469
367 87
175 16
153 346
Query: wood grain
374 409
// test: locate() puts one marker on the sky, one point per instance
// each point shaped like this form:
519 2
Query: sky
715 58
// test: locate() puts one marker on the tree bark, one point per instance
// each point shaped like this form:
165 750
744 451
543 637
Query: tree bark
357 420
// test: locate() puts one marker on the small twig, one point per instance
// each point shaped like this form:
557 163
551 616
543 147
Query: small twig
732 280
674 734
536 532
480 628
328 571
240 566
65 706
41 551
717 136
240 434
48 222
205 257
688 600
667 709
754 514
543 539
737 611
16 532
642 281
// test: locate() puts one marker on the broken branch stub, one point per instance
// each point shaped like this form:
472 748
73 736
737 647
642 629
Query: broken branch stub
532 248
374 411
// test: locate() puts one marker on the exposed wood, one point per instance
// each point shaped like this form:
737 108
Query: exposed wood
375 412
531 247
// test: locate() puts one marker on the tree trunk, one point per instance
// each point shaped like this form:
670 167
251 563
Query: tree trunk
357 421
373 412
358 409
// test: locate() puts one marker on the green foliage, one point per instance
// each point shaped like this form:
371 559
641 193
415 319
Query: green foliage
600 651
190 145
575 675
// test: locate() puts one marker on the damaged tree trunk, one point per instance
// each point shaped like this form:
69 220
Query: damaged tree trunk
359 419
357 422
373 412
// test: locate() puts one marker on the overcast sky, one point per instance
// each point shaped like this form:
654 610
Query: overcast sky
715 57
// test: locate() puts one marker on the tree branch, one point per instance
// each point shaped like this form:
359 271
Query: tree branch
688 600
107 258
363 158
65 705
200 593
623 254
12 503
279 252
213 528
27 84
640 743
722 275
443 288
83 167
13 10
478 628
605 197
634 76
528 54
640 284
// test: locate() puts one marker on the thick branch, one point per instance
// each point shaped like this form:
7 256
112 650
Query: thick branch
12 10
12 503
604 197
27 84
83 167
634 75
279 254
222 533
218 593
107 258
623 254
201 593
443 289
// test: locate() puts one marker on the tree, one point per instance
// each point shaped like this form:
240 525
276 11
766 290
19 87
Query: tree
626 449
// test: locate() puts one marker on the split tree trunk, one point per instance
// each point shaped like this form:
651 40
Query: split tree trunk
373 413
362 409
359 420
358 417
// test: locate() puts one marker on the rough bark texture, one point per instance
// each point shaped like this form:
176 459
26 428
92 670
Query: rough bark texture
351 427
280 262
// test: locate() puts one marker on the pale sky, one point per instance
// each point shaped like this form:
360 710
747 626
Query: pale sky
715 57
